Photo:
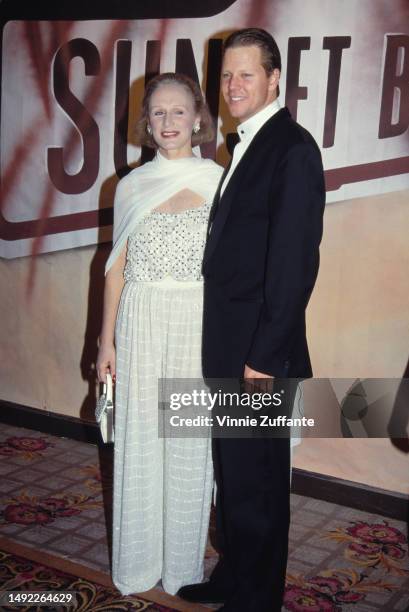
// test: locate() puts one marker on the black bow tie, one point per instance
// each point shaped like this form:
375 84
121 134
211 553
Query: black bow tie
231 141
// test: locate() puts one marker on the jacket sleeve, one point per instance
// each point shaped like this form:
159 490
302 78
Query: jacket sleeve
296 201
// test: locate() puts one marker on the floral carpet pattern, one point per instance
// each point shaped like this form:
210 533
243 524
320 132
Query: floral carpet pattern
24 446
371 570
25 510
20 574
55 496
370 545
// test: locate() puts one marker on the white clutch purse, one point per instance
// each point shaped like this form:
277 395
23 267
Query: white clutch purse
104 411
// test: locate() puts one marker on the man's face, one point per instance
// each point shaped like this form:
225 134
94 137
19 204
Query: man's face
245 85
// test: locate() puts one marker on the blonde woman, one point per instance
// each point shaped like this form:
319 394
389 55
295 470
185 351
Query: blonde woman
152 329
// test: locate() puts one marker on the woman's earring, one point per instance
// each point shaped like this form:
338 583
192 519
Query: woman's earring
196 129
149 129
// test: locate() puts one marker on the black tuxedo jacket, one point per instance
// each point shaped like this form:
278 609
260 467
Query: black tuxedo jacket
262 255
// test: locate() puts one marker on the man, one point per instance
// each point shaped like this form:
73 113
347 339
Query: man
260 265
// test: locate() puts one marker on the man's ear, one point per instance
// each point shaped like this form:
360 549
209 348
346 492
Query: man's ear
274 79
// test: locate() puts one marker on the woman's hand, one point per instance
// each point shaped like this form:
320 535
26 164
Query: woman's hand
106 362
114 282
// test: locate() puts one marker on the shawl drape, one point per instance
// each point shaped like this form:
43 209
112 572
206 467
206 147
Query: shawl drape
148 186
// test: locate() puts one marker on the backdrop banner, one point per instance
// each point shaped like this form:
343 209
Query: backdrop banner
71 92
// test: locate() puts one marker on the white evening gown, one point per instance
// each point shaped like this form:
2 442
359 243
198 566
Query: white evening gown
162 487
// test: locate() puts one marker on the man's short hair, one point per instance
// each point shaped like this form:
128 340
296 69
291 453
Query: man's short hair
270 53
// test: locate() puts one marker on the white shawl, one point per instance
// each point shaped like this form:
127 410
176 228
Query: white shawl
148 186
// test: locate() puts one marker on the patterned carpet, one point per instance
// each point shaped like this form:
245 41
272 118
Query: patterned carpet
55 496
22 574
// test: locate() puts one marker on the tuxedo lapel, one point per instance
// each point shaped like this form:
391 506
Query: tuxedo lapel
216 199
216 225
222 205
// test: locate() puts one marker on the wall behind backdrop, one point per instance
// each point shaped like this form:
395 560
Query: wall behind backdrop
71 88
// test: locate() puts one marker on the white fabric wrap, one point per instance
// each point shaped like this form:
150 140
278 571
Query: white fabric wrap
148 186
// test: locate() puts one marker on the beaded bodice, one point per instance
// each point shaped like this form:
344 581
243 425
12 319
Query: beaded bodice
168 245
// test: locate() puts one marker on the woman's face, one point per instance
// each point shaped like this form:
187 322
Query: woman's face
172 118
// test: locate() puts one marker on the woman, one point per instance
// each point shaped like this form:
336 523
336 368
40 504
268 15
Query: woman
151 330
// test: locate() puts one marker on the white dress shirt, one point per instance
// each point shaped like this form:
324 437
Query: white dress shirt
246 131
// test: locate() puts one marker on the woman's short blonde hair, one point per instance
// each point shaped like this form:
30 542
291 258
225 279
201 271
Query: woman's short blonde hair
206 132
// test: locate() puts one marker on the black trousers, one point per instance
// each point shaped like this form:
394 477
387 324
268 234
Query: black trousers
252 520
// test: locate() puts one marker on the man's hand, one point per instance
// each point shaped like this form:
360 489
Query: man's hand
264 382
250 373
